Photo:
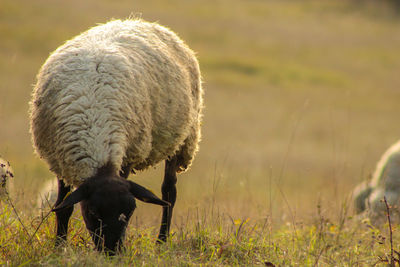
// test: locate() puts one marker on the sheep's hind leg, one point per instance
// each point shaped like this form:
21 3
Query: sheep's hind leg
168 194
63 215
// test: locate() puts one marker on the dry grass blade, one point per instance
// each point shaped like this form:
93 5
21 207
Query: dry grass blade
392 260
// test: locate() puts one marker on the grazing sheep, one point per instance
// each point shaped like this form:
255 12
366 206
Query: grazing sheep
120 97
385 182
6 173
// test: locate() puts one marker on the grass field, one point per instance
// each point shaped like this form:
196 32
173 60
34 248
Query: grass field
301 101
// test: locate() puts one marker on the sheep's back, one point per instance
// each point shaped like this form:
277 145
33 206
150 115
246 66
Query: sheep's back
125 92
387 171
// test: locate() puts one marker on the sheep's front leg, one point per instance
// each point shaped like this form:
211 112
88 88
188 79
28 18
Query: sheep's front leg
168 194
62 216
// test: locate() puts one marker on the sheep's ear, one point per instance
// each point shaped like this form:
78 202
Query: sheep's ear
145 195
75 197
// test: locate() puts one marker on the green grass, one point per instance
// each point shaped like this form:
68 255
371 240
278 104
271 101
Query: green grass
301 101
202 238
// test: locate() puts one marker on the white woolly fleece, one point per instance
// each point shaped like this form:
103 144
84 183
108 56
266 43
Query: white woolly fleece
125 92
385 182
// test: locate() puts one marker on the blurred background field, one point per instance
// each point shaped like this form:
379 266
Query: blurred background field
301 98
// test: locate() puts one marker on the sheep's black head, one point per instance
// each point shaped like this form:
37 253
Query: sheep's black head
107 203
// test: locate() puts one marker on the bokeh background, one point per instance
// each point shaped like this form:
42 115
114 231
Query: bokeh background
301 98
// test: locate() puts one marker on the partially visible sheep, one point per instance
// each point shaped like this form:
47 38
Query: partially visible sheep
385 181
120 97
47 195
6 175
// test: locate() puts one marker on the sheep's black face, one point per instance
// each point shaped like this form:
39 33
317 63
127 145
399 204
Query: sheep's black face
107 212
107 202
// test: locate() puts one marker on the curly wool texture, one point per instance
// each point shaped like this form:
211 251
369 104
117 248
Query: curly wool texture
125 92
385 182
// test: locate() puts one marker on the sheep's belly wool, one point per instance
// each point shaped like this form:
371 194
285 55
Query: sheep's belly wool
126 92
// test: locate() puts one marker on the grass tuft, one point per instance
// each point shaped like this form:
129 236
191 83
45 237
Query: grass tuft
205 240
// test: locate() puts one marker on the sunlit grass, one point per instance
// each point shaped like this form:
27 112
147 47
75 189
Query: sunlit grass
301 101
204 238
